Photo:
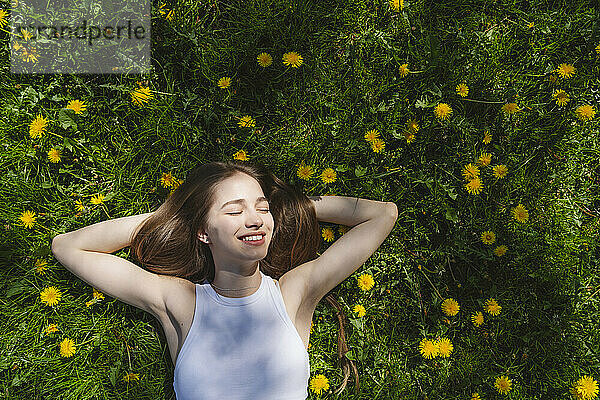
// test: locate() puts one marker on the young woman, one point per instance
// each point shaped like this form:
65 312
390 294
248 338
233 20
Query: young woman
234 275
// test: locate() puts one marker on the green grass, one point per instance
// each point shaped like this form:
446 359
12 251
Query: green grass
547 334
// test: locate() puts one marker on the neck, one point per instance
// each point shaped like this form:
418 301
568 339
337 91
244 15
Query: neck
234 284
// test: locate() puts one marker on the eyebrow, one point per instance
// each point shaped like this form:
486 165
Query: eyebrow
239 201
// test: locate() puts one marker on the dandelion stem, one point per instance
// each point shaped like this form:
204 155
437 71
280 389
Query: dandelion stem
581 304
391 171
55 134
105 211
280 75
12 33
434 288
42 226
482 101
156 91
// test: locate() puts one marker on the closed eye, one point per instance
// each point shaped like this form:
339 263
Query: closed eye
239 212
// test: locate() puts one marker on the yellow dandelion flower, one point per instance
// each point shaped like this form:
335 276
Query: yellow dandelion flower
470 172
428 348
488 237
565 71
97 295
97 199
305 171
246 122
561 97
403 70
371 135
28 219
50 296
37 127
360 310
29 56
500 171
500 250
40 266
224 82
67 348
503 384
442 111
445 347
26 34
177 183
410 137
167 179
520 213
585 112
412 126
365 282
328 175
50 329
474 186
491 307
510 108
165 12
487 138
131 377
54 155
17 46
397 5
327 234
3 21
450 307
462 90
485 159
377 145
264 59
530 25
573 391
477 318
78 106
598 49
240 155
79 205
586 387
319 383
292 58
343 229
141 95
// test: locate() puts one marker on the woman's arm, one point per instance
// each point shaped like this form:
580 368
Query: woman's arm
105 237
349 211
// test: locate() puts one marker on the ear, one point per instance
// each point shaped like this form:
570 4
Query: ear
203 237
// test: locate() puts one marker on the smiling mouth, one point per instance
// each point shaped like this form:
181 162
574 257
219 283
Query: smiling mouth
252 238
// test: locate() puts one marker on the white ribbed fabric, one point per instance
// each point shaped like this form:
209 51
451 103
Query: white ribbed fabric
244 348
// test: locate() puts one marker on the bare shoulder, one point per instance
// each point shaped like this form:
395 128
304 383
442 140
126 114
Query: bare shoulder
294 287
178 294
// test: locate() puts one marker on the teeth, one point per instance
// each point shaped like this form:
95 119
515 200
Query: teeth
254 238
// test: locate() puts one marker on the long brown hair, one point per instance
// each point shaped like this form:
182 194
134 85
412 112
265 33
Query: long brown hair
167 243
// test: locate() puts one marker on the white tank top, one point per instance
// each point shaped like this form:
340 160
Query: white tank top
243 348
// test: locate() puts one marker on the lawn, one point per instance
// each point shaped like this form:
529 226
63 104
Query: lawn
479 119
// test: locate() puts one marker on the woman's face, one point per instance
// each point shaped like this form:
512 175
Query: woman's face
240 208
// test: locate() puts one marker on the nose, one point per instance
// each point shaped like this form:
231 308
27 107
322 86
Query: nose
254 219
